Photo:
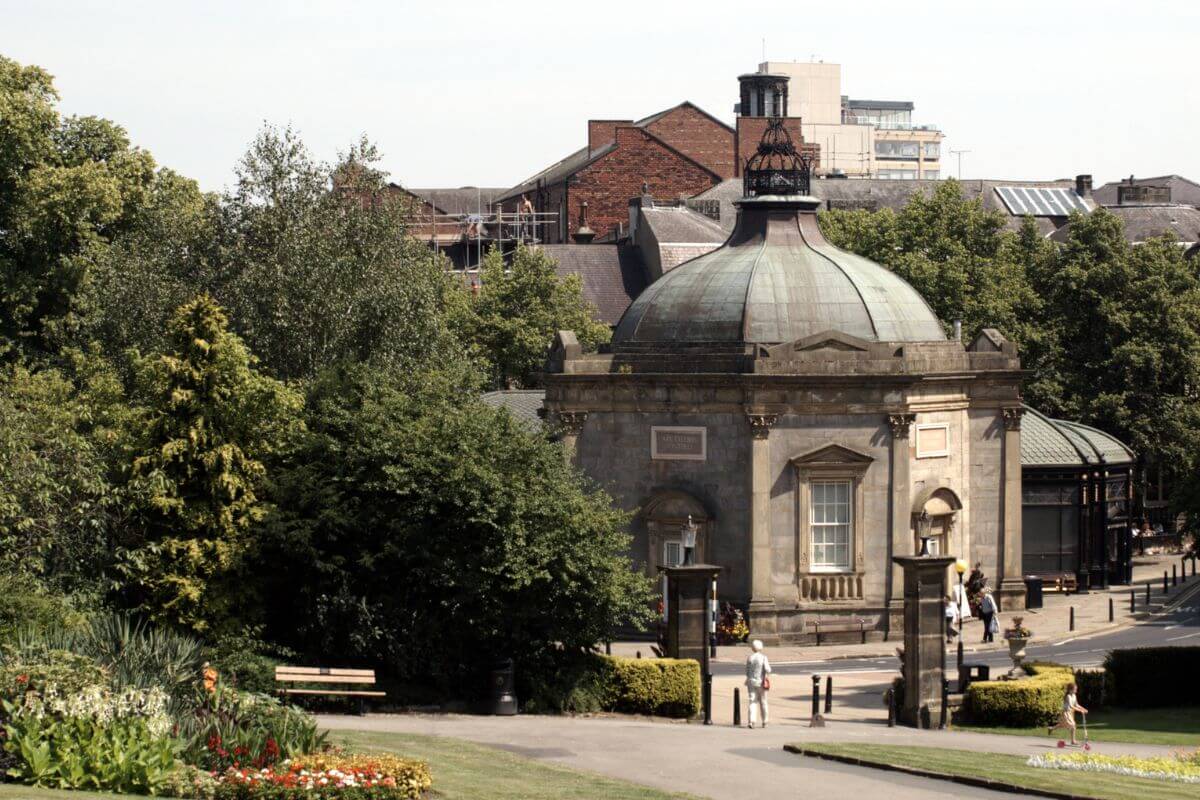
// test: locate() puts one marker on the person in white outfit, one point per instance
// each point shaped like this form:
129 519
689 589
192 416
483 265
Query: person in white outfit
757 682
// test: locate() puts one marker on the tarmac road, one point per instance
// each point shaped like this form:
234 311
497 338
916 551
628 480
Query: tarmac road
1179 627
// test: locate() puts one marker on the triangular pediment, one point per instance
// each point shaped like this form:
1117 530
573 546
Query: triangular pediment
831 455
831 340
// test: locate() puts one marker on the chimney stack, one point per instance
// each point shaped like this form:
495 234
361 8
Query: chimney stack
583 234
1083 185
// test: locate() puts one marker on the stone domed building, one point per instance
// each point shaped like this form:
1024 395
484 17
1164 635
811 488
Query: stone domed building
806 408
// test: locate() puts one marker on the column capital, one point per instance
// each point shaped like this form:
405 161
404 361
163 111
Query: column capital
1012 417
571 422
761 424
901 424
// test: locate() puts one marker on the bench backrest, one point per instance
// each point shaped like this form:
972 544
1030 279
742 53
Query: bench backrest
324 675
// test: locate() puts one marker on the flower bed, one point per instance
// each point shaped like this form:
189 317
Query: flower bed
1183 768
321 777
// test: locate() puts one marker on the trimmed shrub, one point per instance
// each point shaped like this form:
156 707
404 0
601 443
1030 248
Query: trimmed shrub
658 686
1153 677
665 687
1091 692
1019 704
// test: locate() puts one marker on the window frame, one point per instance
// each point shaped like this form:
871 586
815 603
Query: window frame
830 463
811 522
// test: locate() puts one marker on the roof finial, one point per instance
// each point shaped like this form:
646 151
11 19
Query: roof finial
776 167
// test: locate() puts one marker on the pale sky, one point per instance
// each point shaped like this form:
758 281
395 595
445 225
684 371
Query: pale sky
486 93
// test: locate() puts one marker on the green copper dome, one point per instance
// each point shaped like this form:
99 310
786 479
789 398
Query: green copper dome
777 280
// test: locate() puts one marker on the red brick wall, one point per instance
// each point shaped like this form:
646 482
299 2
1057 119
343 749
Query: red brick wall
603 131
609 183
698 136
749 134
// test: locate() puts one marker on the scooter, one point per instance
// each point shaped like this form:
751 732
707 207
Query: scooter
1087 745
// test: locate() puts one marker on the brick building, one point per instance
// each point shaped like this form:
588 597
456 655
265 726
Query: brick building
678 152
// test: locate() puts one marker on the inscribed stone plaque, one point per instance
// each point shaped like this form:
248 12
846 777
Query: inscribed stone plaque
686 444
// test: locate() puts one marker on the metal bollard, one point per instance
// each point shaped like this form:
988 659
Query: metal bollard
817 720
945 704
891 706
1147 595
828 694
1132 601
608 648
639 653
1111 614
737 708
1165 588
1174 580
1071 627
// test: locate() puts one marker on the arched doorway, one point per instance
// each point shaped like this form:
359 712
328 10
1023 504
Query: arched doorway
665 514
937 507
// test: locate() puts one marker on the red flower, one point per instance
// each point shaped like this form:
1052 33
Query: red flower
22 679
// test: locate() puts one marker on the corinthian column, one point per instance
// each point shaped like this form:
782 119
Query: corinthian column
900 538
570 426
1012 587
761 593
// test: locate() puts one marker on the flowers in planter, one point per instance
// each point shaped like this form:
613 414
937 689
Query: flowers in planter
1182 768
731 627
1017 630
321 777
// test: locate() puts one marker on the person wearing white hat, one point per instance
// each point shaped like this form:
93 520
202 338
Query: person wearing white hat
758 682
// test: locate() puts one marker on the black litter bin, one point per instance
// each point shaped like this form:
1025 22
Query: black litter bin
1033 592
502 698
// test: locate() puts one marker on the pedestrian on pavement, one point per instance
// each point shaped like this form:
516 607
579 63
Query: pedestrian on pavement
1067 720
758 681
951 619
987 610
975 583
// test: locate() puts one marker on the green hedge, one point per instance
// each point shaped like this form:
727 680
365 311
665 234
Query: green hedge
1019 704
658 686
665 687
1150 677
1092 688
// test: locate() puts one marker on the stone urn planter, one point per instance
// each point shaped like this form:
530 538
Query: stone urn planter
1017 637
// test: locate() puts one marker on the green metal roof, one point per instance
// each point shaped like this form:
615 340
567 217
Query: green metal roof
1047 442
778 280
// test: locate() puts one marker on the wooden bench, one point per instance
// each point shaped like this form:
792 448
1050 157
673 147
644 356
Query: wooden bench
343 677
841 626
1057 581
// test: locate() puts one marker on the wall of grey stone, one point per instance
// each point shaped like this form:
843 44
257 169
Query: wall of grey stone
987 489
614 449
798 434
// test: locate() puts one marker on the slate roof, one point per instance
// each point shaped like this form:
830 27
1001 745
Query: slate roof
523 404
576 161
1144 222
876 193
1047 442
612 274
1183 190
463 200
680 224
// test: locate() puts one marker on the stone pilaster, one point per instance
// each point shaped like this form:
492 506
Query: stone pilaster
900 540
762 599
1012 586
570 424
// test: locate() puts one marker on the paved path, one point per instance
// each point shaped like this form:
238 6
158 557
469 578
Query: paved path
719 761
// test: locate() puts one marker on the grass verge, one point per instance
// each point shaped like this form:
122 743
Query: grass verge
1006 769
467 771
461 771
1170 726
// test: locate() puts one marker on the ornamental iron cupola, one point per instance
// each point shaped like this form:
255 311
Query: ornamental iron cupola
776 168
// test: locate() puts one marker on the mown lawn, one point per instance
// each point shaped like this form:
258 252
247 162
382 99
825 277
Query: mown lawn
461 771
1009 769
466 771
1172 726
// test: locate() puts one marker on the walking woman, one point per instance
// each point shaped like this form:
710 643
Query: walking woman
1067 720
758 681
987 610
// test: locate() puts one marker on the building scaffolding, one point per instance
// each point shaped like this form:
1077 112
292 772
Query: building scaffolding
466 238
